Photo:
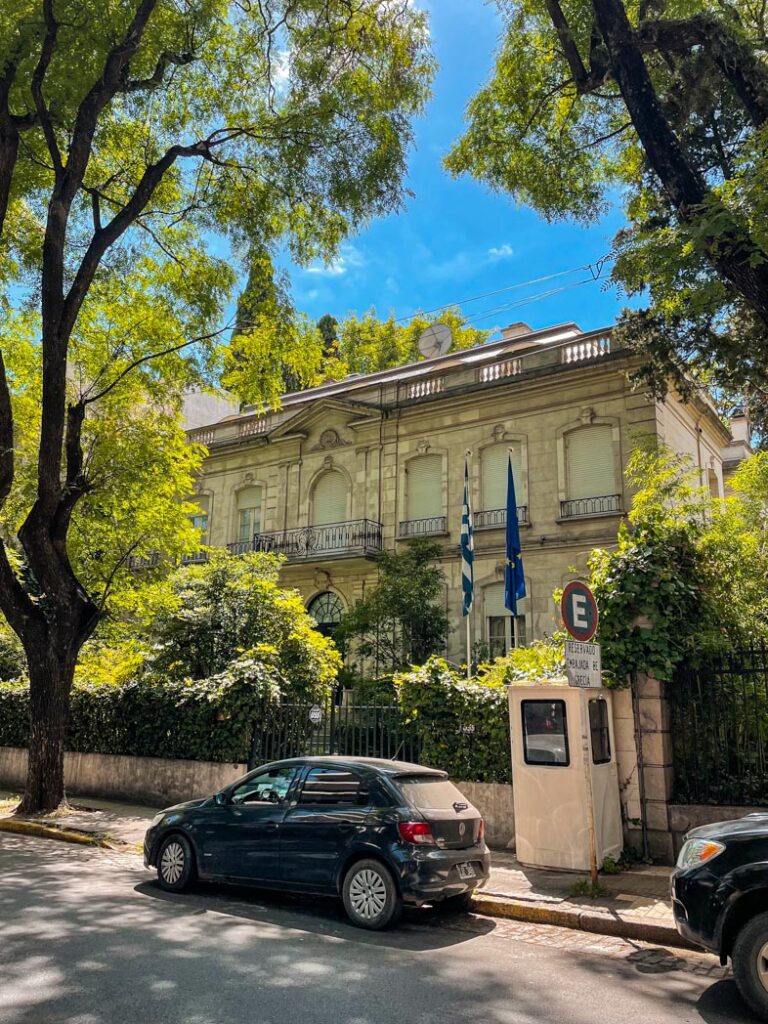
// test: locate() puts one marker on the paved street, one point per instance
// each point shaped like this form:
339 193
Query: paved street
86 937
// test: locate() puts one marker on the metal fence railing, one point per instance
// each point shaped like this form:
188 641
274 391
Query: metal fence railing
719 725
353 730
602 504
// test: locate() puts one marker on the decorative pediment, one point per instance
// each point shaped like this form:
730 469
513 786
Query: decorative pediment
327 417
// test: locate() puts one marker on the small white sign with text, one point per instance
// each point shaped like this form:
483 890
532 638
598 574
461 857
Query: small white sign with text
582 664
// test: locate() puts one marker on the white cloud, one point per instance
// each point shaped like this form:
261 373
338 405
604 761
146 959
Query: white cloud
349 258
501 252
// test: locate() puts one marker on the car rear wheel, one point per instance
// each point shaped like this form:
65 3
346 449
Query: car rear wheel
176 864
370 895
750 964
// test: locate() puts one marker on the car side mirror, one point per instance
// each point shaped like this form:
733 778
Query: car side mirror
222 798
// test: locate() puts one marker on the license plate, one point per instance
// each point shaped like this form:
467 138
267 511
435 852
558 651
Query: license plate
466 870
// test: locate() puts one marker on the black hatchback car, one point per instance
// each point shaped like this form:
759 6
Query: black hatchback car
377 833
720 899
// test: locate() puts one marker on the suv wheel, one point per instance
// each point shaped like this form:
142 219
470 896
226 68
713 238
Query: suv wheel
176 864
750 964
370 895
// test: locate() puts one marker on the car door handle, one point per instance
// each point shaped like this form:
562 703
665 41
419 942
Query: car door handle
271 826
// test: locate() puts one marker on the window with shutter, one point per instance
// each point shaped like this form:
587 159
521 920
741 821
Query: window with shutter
589 462
329 501
248 513
494 476
424 487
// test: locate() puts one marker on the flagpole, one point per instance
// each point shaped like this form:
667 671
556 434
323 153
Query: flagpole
467 558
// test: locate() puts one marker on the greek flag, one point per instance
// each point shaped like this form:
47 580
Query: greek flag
467 547
514 578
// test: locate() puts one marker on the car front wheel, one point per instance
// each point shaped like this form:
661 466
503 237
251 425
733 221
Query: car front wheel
176 864
370 895
750 964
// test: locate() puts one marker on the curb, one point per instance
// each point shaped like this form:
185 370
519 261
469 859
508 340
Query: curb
582 920
32 828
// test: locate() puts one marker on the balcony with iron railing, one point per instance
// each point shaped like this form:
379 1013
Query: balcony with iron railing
602 505
359 538
433 526
496 518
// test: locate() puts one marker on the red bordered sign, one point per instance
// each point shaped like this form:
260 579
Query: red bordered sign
579 611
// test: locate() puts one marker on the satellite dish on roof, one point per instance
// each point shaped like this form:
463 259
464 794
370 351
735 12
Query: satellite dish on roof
435 340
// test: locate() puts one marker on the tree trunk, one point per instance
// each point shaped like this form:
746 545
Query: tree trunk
50 683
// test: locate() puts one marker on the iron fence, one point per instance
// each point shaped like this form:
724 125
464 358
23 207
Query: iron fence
602 504
324 727
719 723
497 517
360 537
422 527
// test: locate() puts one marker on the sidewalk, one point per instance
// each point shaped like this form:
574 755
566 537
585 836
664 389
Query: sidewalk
636 904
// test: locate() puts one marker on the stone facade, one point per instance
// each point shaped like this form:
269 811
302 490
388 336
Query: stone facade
533 392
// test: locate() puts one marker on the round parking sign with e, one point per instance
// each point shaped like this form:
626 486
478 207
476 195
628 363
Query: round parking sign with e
579 610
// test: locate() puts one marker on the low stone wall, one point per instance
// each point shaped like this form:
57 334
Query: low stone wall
159 783
495 803
683 817
146 780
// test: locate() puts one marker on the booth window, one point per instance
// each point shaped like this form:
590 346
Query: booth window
599 733
545 732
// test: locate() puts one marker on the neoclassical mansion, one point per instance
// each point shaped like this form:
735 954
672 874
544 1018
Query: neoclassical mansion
352 467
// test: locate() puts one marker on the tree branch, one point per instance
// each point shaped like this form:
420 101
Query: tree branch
166 59
38 77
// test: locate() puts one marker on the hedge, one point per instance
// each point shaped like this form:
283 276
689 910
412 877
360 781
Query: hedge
206 720
463 725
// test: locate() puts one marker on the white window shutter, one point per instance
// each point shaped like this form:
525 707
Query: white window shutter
424 487
329 502
494 476
248 513
589 461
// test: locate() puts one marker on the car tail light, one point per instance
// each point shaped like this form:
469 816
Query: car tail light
417 832
481 831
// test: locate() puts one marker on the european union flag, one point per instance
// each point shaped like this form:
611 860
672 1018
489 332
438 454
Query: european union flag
467 547
514 578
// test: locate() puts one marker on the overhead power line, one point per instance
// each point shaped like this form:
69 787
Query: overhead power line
595 270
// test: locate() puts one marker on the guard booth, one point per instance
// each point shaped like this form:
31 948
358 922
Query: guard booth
563 757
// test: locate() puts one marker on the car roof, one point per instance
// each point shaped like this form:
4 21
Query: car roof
378 764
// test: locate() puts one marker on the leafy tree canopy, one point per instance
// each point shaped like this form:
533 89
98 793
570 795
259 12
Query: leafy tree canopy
666 103
402 620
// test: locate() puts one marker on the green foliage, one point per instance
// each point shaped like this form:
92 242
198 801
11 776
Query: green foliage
401 621
688 576
463 725
366 344
553 128
539 660
217 612
203 720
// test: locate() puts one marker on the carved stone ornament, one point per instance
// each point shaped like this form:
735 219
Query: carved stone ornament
328 462
499 432
586 415
248 478
322 579
423 446
330 438
499 568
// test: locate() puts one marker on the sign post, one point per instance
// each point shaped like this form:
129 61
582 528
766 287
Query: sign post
582 665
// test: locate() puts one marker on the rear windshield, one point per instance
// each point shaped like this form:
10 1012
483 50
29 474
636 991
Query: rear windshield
429 792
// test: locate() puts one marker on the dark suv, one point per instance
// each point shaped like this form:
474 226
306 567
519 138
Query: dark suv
377 833
720 899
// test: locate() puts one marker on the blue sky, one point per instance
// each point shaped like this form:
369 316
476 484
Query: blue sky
456 239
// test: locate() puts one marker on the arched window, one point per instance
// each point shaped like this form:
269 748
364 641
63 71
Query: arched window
329 499
591 485
502 631
326 609
424 487
248 513
493 473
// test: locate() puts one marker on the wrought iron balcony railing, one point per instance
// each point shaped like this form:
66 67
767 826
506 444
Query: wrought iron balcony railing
360 537
497 517
604 504
422 527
